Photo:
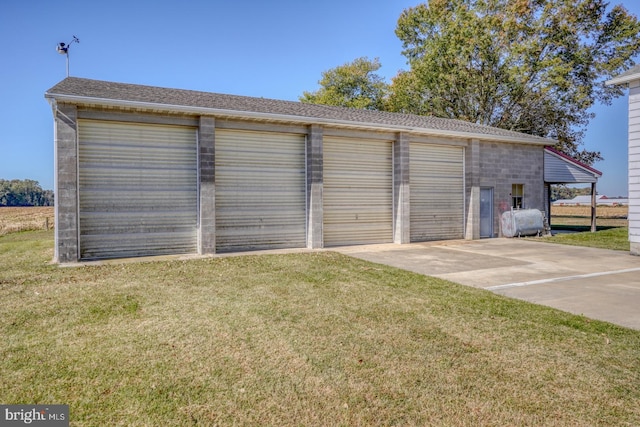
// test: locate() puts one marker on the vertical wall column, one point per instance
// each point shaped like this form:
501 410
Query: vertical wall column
315 179
66 183
207 185
472 171
401 199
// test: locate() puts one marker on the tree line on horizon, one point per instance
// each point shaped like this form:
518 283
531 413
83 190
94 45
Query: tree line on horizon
562 192
536 67
27 192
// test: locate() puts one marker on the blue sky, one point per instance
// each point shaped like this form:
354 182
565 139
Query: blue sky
272 49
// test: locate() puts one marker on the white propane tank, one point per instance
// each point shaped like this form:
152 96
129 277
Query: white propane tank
522 222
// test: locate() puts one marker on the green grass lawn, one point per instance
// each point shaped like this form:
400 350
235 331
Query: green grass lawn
317 339
606 238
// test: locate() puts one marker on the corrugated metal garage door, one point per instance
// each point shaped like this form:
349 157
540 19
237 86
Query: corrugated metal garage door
358 191
436 176
260 190
138 189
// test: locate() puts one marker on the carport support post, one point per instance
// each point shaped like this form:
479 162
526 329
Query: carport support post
207 186
66 247
401 191
593 207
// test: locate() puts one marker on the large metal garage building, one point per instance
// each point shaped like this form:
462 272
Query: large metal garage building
144 171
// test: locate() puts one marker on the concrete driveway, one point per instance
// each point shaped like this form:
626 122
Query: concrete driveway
598 283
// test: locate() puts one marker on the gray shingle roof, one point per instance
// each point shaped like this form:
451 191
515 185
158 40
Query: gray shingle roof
74 89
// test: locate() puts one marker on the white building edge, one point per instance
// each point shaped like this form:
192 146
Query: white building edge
631 79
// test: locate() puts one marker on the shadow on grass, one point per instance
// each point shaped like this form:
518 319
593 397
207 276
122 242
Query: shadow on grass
581 228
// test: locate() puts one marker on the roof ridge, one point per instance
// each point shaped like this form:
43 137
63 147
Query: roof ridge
83 88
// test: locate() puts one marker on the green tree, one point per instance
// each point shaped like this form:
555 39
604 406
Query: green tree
562 192
26 192
353 84
533 66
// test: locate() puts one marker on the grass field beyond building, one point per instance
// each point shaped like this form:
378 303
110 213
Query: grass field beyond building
303 339
606 216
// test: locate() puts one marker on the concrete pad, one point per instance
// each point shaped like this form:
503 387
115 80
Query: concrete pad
614 297
598 283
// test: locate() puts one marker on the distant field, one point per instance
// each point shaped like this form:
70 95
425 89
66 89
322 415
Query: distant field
609 216
25 218
601 211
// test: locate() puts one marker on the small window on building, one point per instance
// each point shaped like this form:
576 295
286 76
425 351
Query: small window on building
517 196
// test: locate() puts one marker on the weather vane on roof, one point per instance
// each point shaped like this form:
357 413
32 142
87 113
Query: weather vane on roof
63 49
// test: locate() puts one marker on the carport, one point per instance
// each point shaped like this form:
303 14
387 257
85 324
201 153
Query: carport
562 169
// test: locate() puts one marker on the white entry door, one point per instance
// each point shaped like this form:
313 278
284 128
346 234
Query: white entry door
486 212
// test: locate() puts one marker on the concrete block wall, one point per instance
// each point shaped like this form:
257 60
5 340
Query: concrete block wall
206 164
503 164
487 164
315 178
66 248
472 186
401 190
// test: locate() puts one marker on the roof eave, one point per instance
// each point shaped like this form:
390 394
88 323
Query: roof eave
620 80
75 99
596 173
